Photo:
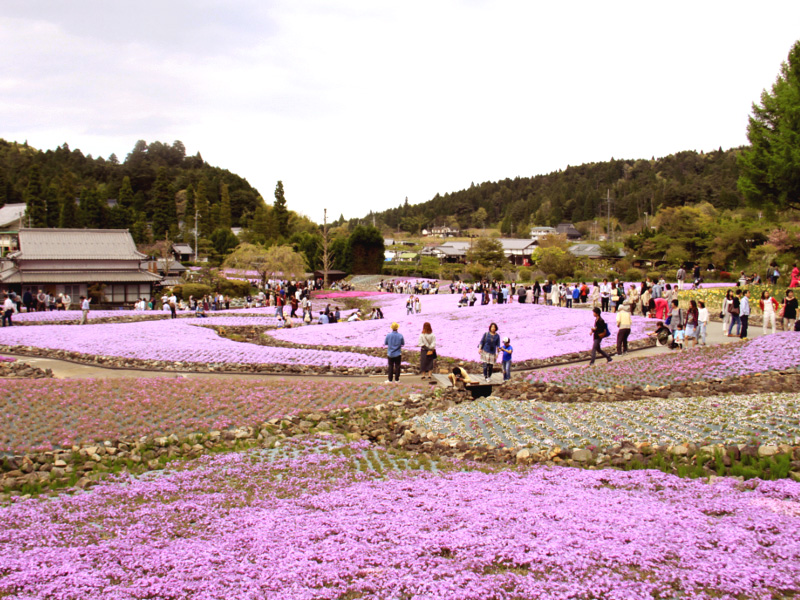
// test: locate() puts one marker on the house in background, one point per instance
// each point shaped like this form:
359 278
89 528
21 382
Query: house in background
182 252
540 232
592 251
569 230
11 216
70 261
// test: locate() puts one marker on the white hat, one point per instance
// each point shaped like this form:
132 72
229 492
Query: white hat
506 340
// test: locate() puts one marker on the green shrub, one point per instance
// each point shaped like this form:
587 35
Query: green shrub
198 290
579 276
498 275
654 275
477 271
234 288
634 275
524 275
552 277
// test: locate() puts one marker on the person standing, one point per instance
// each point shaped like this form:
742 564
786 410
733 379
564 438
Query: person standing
506 350
394 343
734 307
8 310
744 312
427 350
795 277
789 311
605 295
85 305
488 350
598 333
769 306
623 329
681 277
691 323
726 313
702 322
675 319
173 306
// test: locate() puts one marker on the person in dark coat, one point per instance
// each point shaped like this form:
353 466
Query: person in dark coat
599 332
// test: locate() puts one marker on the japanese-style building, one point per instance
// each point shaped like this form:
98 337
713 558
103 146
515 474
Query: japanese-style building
69 261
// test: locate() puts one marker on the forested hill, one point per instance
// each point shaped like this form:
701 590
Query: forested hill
156 184
577 194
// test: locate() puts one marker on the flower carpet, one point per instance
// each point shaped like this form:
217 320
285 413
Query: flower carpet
311 524
40 415
536 331
768 353
175 340
761 418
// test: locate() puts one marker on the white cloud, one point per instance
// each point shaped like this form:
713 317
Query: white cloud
356 105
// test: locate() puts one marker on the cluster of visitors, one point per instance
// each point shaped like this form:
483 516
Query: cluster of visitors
406 286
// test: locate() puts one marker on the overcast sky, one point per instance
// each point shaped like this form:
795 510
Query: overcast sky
357 104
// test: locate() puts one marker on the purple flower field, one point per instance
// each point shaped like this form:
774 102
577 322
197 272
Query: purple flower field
772 352
536 331
177 340
314 527
45 413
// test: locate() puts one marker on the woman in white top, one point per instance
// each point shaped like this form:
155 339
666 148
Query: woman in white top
702 323
726 316
555 294
768 307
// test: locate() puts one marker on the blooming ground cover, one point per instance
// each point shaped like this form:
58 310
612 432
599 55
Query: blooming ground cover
772 352
310 524
42 414
536 331
757 418
60 316
176 340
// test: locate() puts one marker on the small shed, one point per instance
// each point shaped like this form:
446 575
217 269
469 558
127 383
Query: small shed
333 275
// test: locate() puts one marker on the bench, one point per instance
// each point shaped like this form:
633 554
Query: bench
478 388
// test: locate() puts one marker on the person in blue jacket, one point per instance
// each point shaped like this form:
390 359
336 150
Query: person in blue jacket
488 350
394 343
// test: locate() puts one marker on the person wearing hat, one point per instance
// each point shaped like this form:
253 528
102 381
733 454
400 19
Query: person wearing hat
506 349
394 343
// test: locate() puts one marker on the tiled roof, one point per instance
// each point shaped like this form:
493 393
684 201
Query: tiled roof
76 244
10 213
79 277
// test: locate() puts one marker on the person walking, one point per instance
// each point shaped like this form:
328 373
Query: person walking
623 329
769 308
726 313
427 350
394 343
744 312
702 322
789 311
691 323
681 277
85 305
488 350
598 333
506 350
733 309
8 310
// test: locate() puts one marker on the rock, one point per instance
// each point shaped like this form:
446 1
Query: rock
681 450
59 463
162 441
795 475
581 455
523 455
767 450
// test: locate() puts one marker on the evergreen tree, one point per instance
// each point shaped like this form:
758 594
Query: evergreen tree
188 214
164 211
3 189
36 212
92 209
366 250
281 212
225 220
204 226
51 206
125 197
770 168
68 211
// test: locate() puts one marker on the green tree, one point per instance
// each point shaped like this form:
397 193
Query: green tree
92 209
366 251
164 212
770 167
35 212
68 210
487 252
225 219
3 188
125 196
281 212
204 225
277 261
480 216
224 240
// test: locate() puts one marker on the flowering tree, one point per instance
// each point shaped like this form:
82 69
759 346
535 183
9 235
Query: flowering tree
277 261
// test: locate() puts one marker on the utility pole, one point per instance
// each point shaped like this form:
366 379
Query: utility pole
608 213
196 217
326 260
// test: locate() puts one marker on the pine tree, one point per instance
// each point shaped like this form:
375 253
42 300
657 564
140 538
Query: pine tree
225 220
68 211
281 212
164 211
204 226
3 189
92 209
188 214
51 205
125 199
36 212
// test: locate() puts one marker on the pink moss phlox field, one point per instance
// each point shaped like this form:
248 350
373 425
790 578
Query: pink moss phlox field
57 316
172 340
768 353
350 294
42 414
536 331
313 528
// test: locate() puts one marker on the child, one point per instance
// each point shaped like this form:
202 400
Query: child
459 378
506 349
680 337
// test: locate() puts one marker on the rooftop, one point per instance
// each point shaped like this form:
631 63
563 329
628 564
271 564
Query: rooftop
76 244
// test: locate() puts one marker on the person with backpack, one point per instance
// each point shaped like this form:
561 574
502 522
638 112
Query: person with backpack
733 309
599 332
488 350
